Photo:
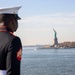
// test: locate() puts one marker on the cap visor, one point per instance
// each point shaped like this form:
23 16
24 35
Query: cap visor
18 18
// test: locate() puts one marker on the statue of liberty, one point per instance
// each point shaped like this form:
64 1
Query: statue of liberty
55 38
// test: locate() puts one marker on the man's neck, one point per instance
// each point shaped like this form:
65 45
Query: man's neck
2 24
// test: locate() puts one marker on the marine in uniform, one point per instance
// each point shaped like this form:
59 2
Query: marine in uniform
10 45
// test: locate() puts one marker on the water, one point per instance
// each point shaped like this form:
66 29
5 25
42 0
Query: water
48 62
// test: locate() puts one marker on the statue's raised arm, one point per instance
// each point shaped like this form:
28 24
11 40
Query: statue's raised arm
53 29
55 33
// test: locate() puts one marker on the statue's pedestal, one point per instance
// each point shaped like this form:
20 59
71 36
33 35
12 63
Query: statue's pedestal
56 41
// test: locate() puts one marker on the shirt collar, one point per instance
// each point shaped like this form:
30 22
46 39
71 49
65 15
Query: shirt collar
3 29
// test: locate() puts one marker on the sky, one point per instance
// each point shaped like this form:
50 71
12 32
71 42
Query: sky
39 17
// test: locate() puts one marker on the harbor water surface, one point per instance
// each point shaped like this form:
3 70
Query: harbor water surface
48 61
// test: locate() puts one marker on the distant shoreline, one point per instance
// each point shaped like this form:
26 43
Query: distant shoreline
60 45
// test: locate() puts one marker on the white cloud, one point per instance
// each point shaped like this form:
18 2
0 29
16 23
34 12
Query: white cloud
57 18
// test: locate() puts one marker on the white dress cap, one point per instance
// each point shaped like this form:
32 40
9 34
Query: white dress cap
12 10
